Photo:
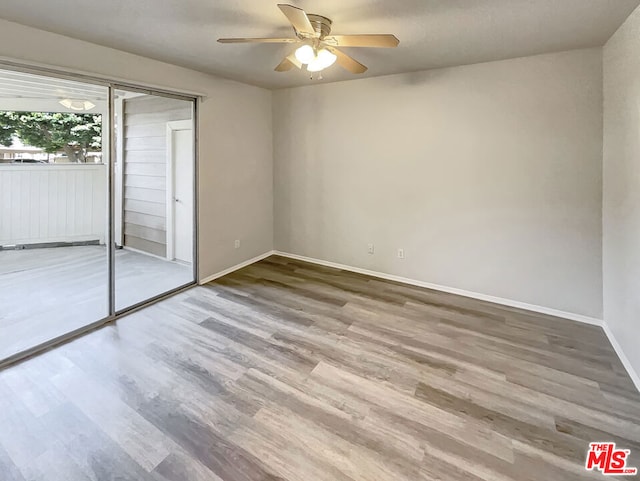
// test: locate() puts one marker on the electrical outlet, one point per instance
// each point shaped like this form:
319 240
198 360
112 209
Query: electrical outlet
400 253
236 244
370 249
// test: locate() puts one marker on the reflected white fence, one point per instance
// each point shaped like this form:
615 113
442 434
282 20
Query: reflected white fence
48 203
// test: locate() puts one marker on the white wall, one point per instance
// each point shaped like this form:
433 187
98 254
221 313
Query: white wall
621 199
488 176
235 137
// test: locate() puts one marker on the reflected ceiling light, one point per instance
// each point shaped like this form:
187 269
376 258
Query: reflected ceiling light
305 54
77 104
323 60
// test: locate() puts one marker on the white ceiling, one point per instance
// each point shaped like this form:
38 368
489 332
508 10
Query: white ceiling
432 33
18 85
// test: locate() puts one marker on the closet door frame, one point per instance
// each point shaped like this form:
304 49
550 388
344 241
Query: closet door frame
115 313
111 152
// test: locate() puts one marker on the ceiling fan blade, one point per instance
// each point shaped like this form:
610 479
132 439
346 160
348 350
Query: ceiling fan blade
258 40
288 63
284 66
380 41
347 62
298 19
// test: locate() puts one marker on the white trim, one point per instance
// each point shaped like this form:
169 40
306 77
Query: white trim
623 359
451 290
170 184
118 167
236 267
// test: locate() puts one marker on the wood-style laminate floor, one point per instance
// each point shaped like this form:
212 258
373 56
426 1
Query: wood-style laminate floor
289 371
45 293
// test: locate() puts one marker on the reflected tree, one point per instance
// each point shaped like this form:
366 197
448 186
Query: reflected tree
73 134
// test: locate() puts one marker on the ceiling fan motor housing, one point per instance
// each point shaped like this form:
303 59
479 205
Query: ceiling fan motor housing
322 25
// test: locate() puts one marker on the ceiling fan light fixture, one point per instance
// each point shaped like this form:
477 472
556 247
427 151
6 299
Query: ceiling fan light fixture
323 60
305 54
77 104
316 47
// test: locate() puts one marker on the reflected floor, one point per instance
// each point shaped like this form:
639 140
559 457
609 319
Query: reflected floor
45 293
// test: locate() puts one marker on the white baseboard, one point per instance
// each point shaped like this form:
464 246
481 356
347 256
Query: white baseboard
235 268
139 251
623 358
451 290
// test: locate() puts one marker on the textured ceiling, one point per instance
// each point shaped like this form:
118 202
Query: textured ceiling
432 33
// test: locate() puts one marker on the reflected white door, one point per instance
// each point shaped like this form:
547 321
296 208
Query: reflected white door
182 177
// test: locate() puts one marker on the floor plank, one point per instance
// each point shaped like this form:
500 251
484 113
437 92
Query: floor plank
290 371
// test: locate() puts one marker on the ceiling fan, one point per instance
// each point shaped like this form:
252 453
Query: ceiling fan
318 50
